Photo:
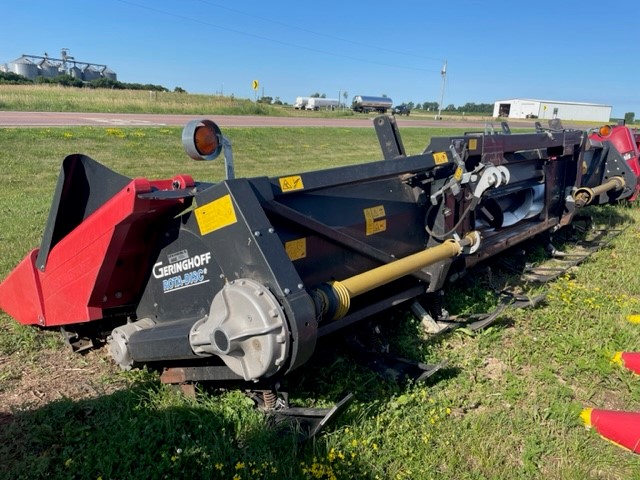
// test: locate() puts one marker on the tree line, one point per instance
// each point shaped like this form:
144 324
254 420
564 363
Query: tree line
10 78
469 107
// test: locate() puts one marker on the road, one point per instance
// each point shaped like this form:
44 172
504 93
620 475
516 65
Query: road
68 119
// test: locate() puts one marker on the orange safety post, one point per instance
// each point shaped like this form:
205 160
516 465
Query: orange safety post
619 427
629 360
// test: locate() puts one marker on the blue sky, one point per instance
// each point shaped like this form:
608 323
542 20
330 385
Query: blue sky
553 50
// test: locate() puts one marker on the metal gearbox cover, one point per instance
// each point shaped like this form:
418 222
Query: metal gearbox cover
246 328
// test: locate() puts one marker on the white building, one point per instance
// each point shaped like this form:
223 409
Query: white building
548 109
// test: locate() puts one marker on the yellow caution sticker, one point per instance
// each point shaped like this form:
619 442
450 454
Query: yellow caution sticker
440 158
458 174
290 184
216 215
374 219
296 249
473 143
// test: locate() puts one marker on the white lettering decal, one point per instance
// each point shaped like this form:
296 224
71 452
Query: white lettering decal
161 271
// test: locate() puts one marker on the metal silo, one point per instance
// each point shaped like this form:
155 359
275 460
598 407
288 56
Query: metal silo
48 69
25 67
89 73
108 73
76 73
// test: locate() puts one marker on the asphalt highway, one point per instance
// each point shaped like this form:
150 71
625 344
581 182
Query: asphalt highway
69 119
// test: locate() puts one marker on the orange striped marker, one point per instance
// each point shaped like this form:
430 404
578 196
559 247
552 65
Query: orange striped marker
618 427
629 360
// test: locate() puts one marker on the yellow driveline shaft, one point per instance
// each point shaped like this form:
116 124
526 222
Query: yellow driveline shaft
367 281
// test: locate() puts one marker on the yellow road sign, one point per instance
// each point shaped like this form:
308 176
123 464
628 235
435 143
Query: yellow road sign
255 84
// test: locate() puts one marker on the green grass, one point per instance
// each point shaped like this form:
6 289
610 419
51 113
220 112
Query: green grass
505 407
53 98
48 98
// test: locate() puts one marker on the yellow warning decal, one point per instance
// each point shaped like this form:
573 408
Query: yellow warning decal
440 158
290 184
296 249
473 143
374 219
458 174
216 215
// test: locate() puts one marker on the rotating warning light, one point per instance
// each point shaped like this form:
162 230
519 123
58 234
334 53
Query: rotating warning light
202 139
604 131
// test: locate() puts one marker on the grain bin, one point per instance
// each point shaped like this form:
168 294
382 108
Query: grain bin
108 73
89 73
76 72
48 69
25 67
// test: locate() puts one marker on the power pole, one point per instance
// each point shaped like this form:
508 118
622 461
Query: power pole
444 78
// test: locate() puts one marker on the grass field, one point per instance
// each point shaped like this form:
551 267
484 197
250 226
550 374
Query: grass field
506 406
48 98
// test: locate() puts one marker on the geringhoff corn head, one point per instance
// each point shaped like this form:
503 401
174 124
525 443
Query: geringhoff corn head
237 281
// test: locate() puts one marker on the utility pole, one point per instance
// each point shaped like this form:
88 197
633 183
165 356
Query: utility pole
444 78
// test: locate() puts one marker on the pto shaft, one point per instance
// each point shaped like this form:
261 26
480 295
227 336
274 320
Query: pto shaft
343 291
585 195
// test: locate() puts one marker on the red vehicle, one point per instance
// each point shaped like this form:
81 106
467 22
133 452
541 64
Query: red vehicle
626 141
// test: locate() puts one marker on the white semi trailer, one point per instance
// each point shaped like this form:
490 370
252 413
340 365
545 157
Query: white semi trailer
322 103
301 102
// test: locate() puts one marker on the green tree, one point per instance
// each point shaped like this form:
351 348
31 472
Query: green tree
476 108
10 78
629 117
64 80
105 82
430 106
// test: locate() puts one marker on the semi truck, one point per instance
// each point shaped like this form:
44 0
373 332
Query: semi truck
315 103
366 104
301 102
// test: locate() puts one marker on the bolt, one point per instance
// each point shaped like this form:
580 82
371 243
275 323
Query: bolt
287 291
256 233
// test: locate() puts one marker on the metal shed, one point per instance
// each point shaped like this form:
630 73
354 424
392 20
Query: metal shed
548 109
